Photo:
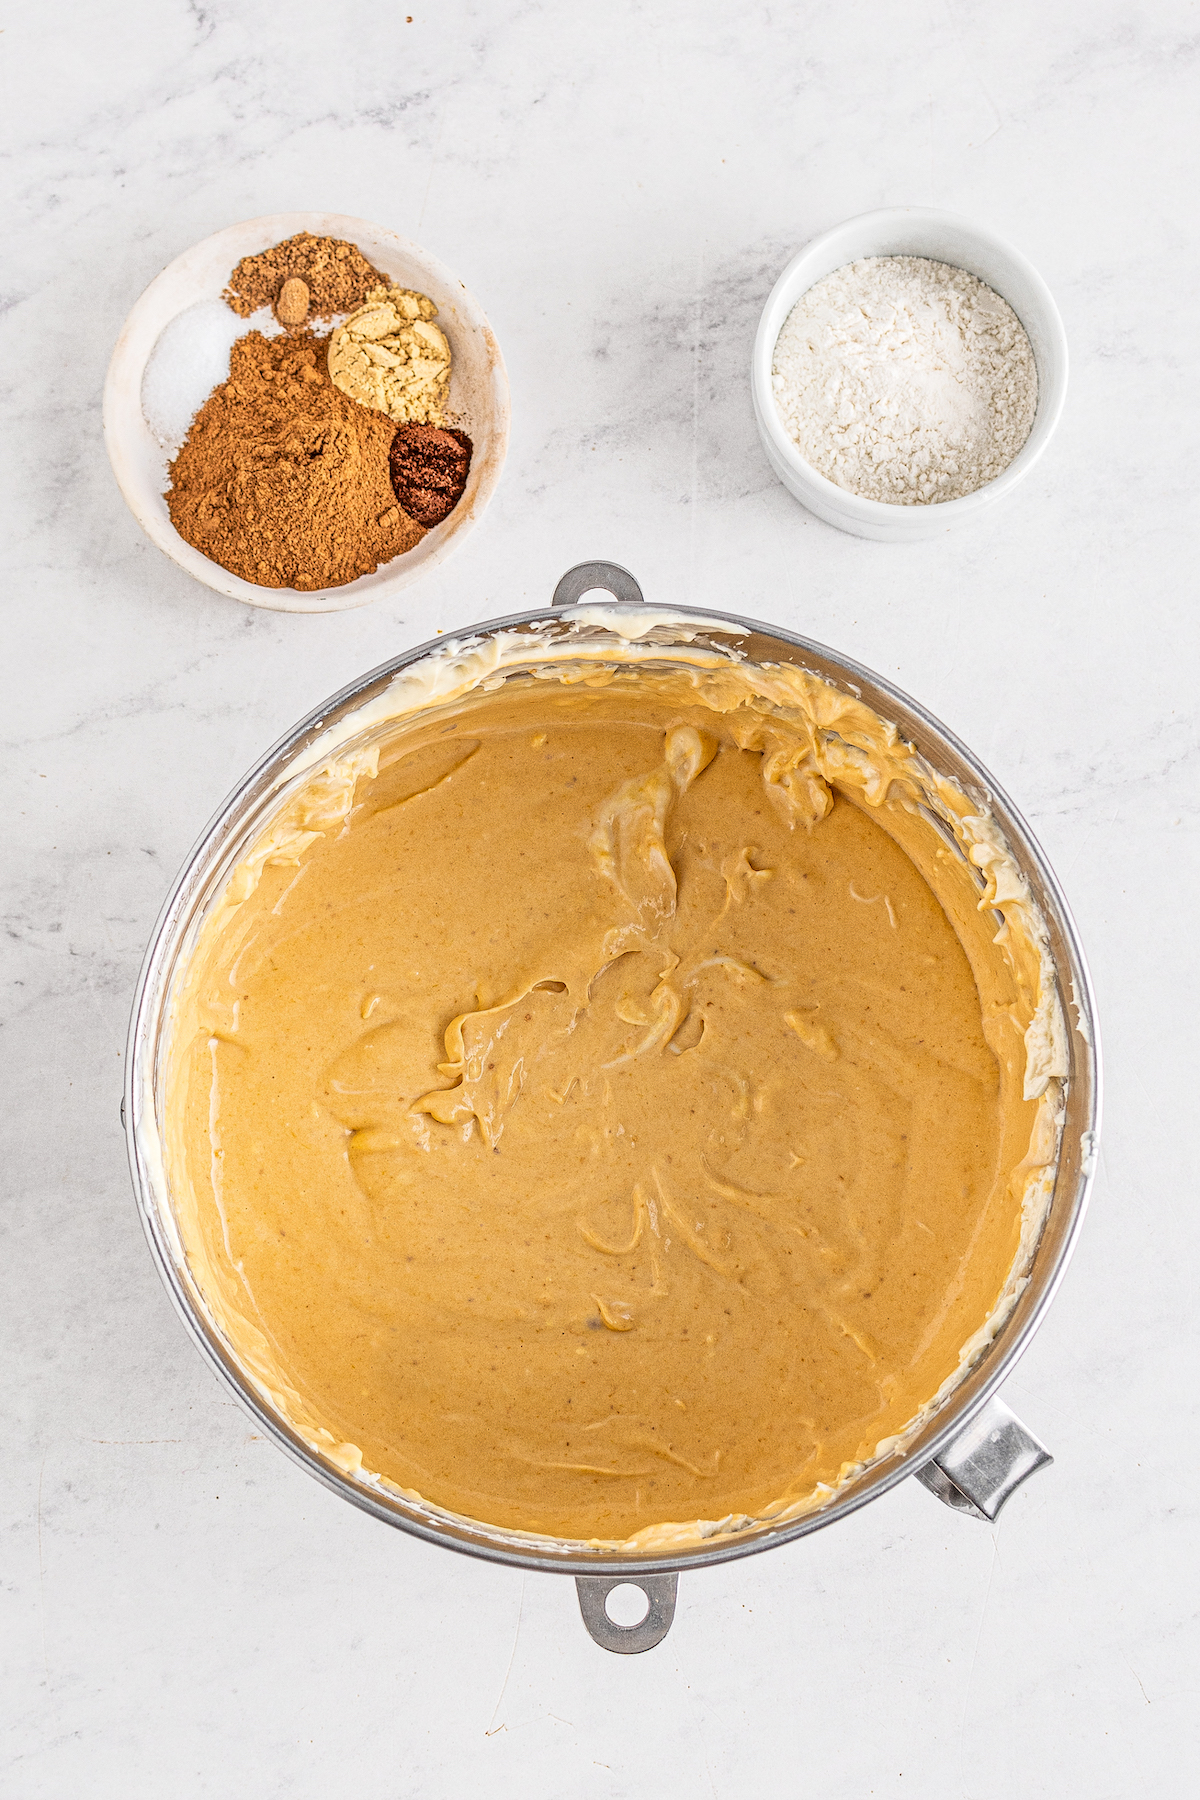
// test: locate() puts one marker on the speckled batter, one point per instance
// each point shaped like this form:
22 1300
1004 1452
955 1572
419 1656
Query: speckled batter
602 1120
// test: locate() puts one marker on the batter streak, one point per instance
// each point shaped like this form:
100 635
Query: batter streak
600 1120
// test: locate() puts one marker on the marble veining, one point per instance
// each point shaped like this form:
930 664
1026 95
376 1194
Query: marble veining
619 186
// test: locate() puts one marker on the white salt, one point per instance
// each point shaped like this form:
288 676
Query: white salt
189 359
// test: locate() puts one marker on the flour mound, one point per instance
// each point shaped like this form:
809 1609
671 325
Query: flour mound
905 380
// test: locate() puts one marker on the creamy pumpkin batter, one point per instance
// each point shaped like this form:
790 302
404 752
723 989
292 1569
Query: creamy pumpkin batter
590 1117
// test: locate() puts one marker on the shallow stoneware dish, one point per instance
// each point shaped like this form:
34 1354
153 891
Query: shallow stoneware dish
970 1451
942 237
478 398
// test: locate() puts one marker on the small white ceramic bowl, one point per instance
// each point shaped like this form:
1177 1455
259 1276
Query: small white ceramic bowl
478 398
943 237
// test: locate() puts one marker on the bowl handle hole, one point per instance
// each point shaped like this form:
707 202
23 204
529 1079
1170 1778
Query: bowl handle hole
627 1605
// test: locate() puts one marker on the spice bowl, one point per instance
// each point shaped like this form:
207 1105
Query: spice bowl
478 398
942 237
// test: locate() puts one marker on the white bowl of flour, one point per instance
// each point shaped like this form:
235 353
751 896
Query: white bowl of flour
908 371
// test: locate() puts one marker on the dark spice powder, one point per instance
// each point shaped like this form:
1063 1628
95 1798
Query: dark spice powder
283 479
429 470
336 273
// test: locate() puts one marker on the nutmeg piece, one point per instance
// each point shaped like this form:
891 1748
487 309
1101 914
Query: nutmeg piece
291 308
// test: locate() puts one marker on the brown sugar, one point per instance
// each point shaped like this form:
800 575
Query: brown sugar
337 275
282 478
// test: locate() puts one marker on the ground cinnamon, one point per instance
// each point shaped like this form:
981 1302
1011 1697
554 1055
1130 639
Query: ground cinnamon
284 480
336 273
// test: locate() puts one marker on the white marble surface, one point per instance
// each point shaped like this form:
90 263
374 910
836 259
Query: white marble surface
188 1614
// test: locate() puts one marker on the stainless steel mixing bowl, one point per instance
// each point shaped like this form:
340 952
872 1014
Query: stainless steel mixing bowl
971 1452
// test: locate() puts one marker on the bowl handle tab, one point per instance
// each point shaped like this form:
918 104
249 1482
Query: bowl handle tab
985 1464
585 576
627 1640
